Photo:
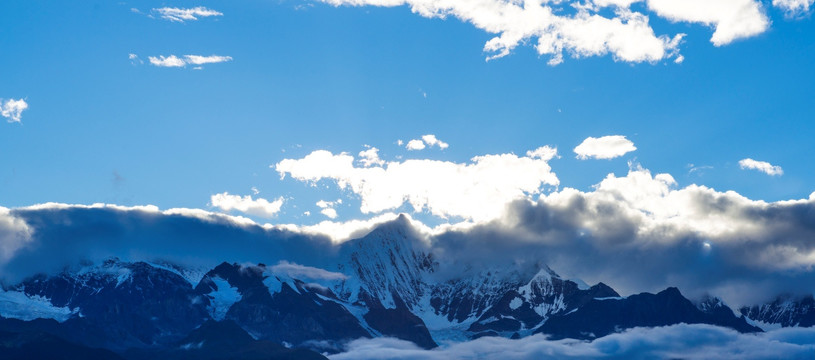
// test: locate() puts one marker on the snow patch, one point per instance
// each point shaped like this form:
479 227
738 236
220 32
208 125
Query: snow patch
19 305
516 303
222 298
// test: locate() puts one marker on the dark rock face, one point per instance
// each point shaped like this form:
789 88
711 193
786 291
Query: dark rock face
398 322
41 345
598 318
131 304
785 311
223 340
294 314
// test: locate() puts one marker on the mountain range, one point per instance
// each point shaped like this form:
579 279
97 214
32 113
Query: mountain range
385 284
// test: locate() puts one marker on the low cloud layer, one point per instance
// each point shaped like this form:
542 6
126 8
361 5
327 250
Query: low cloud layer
14 235
606 147
672 342
12 109
475 190
49 237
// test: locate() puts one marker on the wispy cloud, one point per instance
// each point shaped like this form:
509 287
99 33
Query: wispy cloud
200 60
606 147
258 207
12 109
763 166
182 15
176 61
794 7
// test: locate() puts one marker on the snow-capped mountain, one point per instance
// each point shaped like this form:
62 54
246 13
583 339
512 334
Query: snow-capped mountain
784 311
384 284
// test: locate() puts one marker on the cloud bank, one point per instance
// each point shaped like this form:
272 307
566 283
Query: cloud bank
695 238
672 342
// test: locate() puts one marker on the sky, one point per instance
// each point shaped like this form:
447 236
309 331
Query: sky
675 131
103 124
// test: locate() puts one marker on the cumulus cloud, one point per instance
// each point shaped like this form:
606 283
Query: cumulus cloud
475 190
671 342
556 28
258 207
431 141
415 144
732 19
12 109
182 15
606 147
762 166
175 61
370 157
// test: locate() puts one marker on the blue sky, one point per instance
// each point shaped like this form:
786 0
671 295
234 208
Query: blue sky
307 76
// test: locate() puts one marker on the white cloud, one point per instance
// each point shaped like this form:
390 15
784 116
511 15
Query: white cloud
12 109
370 157
762 166
328 208
175 61
606 147
329 212
431 141
476 190
258 207
680 341
582 28
200 60
627 35
415 144
134 59
181 15
733 19
169 61
428 140
794 7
